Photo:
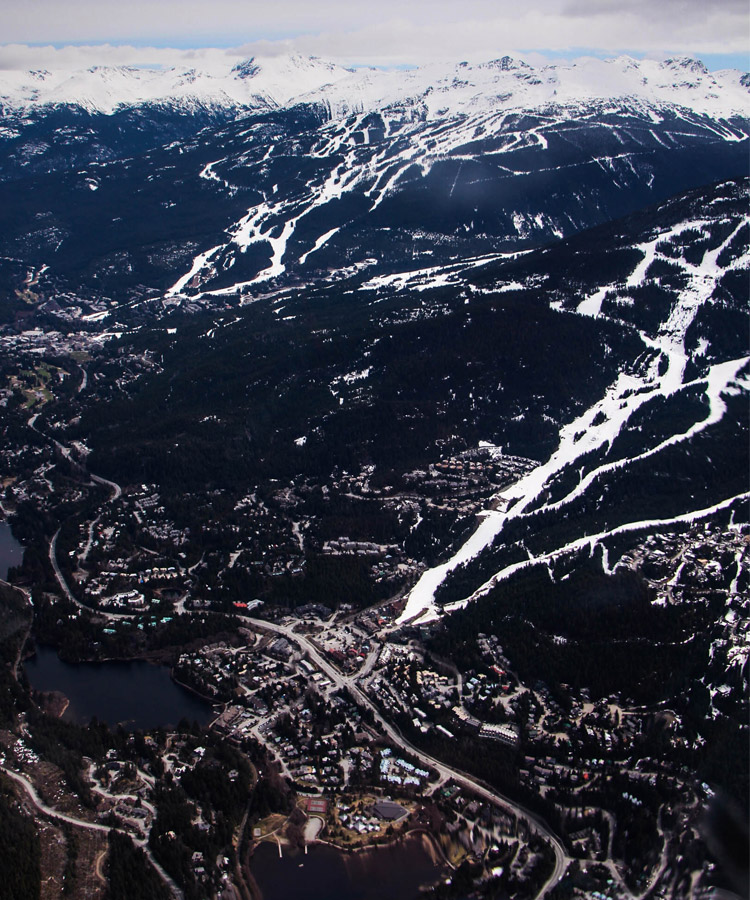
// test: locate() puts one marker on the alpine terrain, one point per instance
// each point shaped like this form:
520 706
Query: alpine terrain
404 415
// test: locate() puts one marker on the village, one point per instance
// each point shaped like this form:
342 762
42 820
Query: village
370 731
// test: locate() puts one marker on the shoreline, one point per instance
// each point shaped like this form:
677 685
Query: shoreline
418 840
187 687
51 700
396 839
52 703
128 659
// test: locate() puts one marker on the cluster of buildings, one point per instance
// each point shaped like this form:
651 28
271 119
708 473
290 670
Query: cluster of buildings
244 676
345 646
462 479
317 739
404 683
364 818
343 546
401 772
485 461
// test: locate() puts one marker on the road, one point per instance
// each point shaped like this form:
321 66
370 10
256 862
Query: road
104 614
115 494
98 788
58 574
115 488
93 826
49 810
84 554
445 772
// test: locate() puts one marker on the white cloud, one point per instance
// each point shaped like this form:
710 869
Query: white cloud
23 56
386 33
405 41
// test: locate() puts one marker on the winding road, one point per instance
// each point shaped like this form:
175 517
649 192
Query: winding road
92 826
445 772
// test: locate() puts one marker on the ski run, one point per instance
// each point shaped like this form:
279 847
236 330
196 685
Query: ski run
599 426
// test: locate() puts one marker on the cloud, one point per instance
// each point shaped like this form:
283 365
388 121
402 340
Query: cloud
404 41
390 32
72 57
648 10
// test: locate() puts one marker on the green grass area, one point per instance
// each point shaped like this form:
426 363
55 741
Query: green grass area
34 383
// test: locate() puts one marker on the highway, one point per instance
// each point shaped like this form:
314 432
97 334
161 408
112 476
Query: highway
445 772
535 825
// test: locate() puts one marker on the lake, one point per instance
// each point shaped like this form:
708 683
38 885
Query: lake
11 552
135 693
394 871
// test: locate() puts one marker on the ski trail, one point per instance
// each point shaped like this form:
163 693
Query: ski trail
323 239
733 587
199 264
602 422
591 541
455 180
718 382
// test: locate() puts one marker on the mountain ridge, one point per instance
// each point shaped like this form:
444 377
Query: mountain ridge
207 203
262 83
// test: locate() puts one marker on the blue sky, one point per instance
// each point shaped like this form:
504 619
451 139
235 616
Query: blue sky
389 32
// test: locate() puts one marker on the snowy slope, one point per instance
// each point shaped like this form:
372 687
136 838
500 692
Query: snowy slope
462 140
503 83
272 82
305 168
508 83
673 347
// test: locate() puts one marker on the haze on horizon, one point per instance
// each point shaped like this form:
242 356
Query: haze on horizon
78 33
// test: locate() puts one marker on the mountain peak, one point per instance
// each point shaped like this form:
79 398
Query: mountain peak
505 64
686 63
285 80
248 68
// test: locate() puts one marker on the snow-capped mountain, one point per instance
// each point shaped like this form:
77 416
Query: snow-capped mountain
253 84
507 83
54 121
503 83
462 161
326 168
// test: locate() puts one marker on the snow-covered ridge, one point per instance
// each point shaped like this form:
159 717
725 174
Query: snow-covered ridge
507 83
599 426
271 82
503 83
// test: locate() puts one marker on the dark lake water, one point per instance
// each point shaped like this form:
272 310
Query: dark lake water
135 693
392 872
11 552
